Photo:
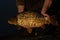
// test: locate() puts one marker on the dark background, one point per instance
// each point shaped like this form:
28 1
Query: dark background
8 9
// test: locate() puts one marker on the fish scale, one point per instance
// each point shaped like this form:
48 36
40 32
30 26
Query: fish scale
31 19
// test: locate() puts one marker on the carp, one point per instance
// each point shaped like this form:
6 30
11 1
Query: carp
31 20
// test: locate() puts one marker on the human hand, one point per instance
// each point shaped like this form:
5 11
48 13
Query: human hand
46 16
20 8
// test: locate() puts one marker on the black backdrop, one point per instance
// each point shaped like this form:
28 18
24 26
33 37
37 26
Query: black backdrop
7 10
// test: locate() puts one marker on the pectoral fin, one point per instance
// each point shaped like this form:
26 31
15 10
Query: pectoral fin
29 30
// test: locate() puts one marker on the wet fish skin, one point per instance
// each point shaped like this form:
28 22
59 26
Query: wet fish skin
31 20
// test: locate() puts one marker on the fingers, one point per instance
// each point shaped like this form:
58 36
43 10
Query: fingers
45 14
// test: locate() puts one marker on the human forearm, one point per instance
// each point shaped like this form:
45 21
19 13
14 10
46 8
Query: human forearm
20 5
46 5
